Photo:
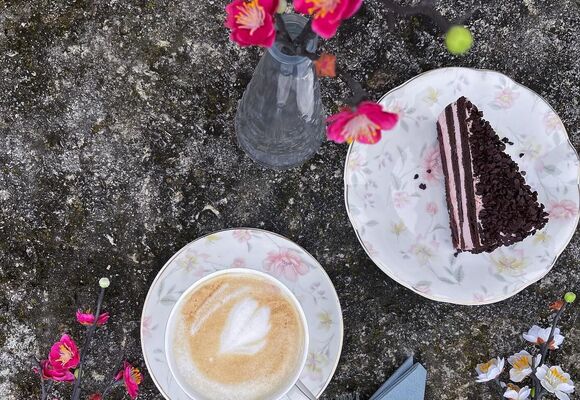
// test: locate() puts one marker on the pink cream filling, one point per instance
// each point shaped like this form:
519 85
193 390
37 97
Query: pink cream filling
447 150
463 228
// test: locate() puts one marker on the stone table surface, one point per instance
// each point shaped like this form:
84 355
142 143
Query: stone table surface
116 132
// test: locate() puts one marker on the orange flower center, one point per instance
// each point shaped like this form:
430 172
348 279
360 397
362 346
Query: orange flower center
320 8
557 375
486 366
360 126
521 363
66 354
136 376
251 16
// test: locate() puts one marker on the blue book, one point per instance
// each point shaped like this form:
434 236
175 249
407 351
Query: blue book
407 383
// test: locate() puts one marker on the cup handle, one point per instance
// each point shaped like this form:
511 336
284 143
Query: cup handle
304 390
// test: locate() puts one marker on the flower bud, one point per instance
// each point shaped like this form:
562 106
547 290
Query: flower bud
104 282
458 40
570 297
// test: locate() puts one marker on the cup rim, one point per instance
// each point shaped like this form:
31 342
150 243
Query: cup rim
249 271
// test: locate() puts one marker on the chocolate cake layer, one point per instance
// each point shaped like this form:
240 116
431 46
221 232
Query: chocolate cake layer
490 205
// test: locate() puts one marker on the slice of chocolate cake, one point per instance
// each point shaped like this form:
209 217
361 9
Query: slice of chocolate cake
490 205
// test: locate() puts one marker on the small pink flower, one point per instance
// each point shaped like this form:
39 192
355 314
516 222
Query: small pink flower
242 235
506 97
327 14
64 354
363 124
432 163
401 199
86 318
131 377
252 22
431 208
51 372
238 262
564 209
286 263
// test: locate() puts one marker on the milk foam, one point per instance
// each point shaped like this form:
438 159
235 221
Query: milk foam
238 339
246 328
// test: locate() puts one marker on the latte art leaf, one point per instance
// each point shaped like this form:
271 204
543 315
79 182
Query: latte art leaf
246 328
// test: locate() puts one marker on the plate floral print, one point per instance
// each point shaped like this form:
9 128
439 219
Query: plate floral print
249 248
405 229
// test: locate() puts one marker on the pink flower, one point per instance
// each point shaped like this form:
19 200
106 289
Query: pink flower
563 209
401 199
89 319
131 377
242 235
252 22
327 14
286 263
431 208
432 163
64 354
506 97
238 262
51 372
363 124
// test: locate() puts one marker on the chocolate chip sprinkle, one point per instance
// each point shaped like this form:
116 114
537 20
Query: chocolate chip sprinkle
422 186
521 155
428 171
416 176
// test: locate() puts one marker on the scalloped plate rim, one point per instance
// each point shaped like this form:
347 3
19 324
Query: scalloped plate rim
436 297
264 231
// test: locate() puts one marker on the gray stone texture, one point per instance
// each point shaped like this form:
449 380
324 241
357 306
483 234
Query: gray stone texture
116 130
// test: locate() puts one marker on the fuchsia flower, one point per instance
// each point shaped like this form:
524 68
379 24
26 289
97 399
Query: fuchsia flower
131 377
64 354
363 124
89 319
252 22
51 372
327 14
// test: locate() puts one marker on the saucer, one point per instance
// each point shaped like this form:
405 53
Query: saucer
256 249
405 230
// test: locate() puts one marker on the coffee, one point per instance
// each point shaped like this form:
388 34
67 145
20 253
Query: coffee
238 337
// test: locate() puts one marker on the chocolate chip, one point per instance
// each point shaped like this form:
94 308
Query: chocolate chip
422 186
428 171
416 176
521 155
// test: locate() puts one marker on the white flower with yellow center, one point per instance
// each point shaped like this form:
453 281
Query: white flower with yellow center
540 336
489 370
522 365
555 381
515 393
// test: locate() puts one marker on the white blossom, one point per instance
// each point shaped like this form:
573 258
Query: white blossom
539 335
489 370
555 381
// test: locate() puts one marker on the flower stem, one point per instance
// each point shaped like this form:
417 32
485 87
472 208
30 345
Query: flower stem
545 346
86 346
358 93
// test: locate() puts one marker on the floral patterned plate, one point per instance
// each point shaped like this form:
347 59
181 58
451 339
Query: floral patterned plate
250 248
405 230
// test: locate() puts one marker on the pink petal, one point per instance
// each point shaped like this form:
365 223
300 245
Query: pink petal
325 27
301 6
351 7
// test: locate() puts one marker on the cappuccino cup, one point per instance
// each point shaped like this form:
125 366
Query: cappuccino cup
237 334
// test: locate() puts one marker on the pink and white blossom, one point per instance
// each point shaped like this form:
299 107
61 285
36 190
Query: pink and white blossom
538 335
489 370
555 381
515 393
285 263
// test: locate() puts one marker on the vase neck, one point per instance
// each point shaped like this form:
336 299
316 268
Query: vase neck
294 24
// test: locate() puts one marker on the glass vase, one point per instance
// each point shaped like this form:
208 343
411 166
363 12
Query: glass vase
279 122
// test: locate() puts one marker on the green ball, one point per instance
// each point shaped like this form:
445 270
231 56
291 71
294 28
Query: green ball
458 40
570 297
